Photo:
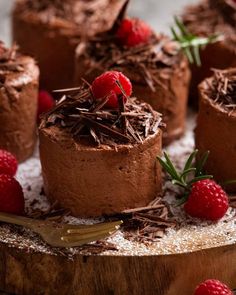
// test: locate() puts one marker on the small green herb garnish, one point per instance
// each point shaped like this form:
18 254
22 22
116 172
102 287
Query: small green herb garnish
192 172
189 43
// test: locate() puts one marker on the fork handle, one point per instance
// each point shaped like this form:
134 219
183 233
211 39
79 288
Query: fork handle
14 219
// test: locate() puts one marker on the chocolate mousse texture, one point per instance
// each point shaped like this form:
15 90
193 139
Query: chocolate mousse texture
50 31
159 73
98 161
19 77
216 125
207 18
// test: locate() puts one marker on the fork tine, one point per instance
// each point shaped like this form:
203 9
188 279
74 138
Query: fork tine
78 240
94 227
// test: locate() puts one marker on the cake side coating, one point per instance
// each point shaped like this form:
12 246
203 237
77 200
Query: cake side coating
216 126
205 19
48 32
94 182
18 103
159 73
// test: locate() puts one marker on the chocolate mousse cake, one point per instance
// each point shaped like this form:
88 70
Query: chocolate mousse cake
206 18
158 70
50 30
216 125
19 77
97 160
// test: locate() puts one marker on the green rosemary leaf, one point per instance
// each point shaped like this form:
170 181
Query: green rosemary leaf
201 163
179 183
175 35
173 169
166 167
189 55
190 160
189 43
196 54
181 27
201 177
186 172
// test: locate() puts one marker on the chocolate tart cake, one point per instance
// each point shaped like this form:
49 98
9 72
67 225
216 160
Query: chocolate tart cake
207 18
50 31
216 125
18 102
159 73
97 161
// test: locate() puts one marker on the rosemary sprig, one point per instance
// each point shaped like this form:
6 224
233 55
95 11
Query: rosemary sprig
192 167
189 43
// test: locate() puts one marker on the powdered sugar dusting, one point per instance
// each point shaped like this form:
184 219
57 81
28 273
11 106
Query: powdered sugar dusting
191 235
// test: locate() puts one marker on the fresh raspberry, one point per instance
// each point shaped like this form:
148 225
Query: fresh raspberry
133 32
11 195
8 163
106 86
212 287
45 102
207 200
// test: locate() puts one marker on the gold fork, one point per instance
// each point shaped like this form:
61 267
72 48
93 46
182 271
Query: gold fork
64 235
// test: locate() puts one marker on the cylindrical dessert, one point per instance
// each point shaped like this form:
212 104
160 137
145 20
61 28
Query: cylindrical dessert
207 18
50 30
158 70
19 77
97 161
216 125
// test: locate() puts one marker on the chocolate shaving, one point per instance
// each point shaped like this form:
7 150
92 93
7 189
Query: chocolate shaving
148 224
222 88
146 61
79 114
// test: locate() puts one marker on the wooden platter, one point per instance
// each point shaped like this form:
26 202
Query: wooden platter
171 267
36 273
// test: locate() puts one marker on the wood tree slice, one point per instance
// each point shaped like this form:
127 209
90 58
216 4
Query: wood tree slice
37 273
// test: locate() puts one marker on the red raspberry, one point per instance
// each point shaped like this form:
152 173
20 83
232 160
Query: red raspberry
45 102
11 195
133 32
207 200
212 287
8 163
106 86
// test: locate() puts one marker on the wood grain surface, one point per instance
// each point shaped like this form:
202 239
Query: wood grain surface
29 273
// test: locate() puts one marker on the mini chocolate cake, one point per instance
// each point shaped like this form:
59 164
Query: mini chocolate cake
216 125
50 31
158 70
99 161
207 18
18 102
